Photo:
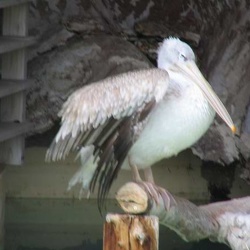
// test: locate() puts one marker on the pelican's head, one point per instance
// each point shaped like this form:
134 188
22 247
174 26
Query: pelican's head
173 51
176 56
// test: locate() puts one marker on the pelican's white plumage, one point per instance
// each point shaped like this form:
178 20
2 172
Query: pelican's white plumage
137 118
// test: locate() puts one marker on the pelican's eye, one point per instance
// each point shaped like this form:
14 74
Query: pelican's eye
183 57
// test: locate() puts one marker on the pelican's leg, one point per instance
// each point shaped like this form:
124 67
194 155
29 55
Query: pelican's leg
147 185
148 174
166 196
135 172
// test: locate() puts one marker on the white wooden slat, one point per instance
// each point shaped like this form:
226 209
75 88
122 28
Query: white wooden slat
9 130
11 43
14 67
8 3
9 87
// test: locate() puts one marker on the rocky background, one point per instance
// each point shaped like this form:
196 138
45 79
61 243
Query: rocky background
81 41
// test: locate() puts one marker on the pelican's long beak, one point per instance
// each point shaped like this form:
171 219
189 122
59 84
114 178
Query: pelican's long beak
190 70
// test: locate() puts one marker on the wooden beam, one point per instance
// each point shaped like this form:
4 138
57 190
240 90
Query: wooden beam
14 67
9 130
9 87
8 3
10 43
131 232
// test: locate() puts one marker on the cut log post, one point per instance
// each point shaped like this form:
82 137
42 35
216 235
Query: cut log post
227 222
130 232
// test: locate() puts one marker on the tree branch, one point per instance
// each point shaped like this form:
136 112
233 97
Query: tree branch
226 222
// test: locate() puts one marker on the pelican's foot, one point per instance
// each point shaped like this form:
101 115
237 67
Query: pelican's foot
167 198
156 192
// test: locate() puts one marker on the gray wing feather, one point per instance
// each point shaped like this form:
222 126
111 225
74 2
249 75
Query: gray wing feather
115 97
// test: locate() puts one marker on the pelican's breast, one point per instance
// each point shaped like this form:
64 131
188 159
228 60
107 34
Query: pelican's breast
175 124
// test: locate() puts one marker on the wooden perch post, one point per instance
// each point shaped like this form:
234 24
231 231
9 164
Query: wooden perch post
226 222
130 232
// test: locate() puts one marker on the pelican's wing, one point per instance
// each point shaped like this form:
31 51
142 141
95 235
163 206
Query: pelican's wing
92 107
102 114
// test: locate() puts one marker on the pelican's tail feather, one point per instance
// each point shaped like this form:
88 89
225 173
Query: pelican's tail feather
86 170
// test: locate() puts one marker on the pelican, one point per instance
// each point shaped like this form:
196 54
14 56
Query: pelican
136 119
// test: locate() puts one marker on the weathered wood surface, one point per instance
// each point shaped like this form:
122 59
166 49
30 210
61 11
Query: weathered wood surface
8 87
130 232
9 130
226 222
8 44
8 3
14 67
